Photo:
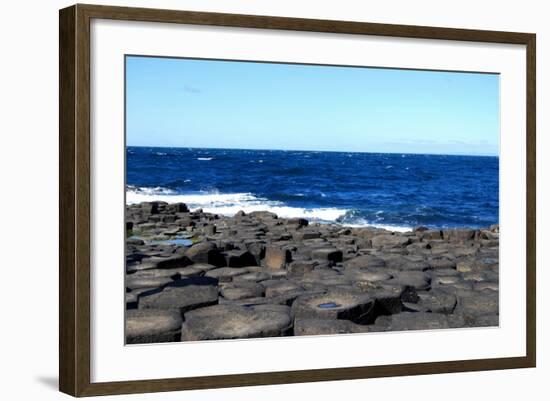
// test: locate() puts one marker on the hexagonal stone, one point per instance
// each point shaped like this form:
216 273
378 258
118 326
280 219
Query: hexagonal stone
465 266
364 262
390 241
416 279
478 303
389 299
417 321
232 321
274 288
239 258
301 235
486 321
203 266
206 253
301 267
445 280
441 263
435 300
486 285
402 262
364 276
183 295
329 254
242 290
137 282
276 257
444 272
253 276
171 261
335 304
174 274
152 326
474 276
312 327
458 234
226 274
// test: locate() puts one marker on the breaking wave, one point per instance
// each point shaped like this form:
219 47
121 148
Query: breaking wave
230 204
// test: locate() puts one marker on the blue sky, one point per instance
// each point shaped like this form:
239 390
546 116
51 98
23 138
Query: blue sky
228 104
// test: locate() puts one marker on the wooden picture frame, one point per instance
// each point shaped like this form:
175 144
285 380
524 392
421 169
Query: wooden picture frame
74 199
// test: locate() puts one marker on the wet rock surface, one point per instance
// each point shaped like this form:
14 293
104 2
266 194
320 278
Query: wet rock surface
193 276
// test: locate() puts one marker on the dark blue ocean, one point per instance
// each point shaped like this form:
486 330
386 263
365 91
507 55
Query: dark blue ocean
382 189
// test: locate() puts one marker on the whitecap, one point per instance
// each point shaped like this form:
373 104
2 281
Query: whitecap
230 203
204 158
389 227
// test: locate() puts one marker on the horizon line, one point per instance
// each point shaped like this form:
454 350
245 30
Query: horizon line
327 151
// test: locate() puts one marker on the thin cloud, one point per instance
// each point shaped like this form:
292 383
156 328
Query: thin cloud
191 89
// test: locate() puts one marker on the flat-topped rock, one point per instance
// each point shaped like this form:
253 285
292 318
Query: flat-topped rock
313 327
242 290
364 262
435 300
226 274
183 295
152 326
415 321
335 304
233 321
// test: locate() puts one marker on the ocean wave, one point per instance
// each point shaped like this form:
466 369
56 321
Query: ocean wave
205 158
389 227
229 204
149 191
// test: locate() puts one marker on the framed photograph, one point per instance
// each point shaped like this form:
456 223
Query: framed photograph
250 200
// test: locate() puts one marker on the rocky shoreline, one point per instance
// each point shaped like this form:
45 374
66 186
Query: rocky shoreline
198 276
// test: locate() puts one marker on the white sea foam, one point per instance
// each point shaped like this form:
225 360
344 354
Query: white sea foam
230 204
389 227
204 158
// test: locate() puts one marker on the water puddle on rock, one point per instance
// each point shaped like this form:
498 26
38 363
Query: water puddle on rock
176 241
328 305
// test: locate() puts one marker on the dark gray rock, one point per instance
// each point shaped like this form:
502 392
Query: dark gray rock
276 257
390 241
242 290
459 234
152 326
239 258
478 303
364 262
182 295
233 321
336 304
435 300
417 321
206 252
312 327
226 274
274 288
301 267
327 254
415 279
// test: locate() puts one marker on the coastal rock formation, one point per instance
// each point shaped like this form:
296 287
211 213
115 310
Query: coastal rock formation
192 275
